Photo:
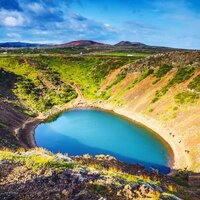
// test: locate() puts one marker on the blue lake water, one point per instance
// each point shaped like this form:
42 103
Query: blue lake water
78 132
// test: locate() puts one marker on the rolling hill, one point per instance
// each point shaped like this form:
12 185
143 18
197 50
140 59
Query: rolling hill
128 43
81 43
20 45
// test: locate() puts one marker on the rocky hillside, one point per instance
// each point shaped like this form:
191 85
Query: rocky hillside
41 174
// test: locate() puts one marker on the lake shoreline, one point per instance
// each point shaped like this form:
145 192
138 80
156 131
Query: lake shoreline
178 157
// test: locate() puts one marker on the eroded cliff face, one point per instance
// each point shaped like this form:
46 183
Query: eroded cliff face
169 93
12 114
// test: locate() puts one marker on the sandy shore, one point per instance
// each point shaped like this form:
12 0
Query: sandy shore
181 159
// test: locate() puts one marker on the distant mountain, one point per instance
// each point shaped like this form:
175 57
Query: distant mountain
20 45
81 43
88 43
128 43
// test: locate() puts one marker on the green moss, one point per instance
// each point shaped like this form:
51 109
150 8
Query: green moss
162 71
37 159
181 178
52 118
175 108
41 82
182 75
99 188
4 123
118 79
37 86
186 97
195 84
150 110
88 72
144 74
105 95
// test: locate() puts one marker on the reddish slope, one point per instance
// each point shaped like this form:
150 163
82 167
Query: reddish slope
82 43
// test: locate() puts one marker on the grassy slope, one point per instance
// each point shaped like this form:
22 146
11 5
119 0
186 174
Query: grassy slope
88 71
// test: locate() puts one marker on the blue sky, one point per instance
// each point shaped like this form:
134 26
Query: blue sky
174 23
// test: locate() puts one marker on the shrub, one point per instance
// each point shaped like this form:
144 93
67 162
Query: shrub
162 70
36 159
195 84
182 75
150 110
181 178
119 78
186 97
144 74
99 188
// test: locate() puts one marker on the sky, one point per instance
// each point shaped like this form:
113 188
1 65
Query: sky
173 23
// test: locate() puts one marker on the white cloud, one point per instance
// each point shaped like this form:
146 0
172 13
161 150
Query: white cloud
107 25
36 7
12 18
13 21
16 35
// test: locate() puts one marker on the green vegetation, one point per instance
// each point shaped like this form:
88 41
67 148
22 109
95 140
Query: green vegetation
118 79
7 138
39 99
182 75
105 95
186 97
42 82
162 71
36 159
52 118
144 74
3 123
99 188
195 84
150 110
181 178
36 85
138 55
88 72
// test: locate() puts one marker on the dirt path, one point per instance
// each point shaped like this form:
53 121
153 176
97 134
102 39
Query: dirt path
79 92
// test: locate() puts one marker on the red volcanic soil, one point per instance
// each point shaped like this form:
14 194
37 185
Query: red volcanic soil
82 43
